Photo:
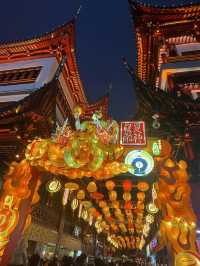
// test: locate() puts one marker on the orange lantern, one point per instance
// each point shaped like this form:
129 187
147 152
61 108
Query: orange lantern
127 196
143 186
92 187
127 185
110 185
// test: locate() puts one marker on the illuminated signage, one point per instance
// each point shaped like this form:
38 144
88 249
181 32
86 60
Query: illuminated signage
141 161
132 133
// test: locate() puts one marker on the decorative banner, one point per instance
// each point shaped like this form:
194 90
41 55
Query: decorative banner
132 133
141 161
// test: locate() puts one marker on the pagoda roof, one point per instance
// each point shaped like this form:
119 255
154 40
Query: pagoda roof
56 43
163 13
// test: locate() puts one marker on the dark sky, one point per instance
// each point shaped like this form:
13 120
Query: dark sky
104 35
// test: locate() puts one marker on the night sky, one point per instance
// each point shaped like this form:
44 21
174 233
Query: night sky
104 35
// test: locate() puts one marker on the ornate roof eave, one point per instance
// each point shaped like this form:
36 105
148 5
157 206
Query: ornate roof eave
164 12
55 43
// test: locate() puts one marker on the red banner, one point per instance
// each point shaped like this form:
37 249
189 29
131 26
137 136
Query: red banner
132 133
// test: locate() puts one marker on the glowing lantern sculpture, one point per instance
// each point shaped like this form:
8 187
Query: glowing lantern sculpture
92 151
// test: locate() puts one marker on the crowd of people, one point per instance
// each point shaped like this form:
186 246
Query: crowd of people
36 260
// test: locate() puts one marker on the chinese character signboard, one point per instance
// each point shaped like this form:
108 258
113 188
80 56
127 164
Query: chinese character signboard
132 133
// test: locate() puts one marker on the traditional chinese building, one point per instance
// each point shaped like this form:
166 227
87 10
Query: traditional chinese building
168 46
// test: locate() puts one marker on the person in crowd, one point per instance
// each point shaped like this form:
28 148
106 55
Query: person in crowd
80 261
54 262
35 260
99 262
20 257
67 261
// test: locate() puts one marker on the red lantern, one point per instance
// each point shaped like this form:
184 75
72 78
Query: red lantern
127 185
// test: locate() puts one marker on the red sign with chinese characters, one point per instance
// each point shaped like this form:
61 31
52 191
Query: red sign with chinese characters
132 133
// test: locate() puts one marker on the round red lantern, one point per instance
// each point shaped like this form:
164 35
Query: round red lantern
127 185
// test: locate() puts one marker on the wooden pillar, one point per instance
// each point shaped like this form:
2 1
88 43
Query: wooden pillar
24 210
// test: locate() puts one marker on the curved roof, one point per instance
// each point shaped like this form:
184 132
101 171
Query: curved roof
57 43
164 13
